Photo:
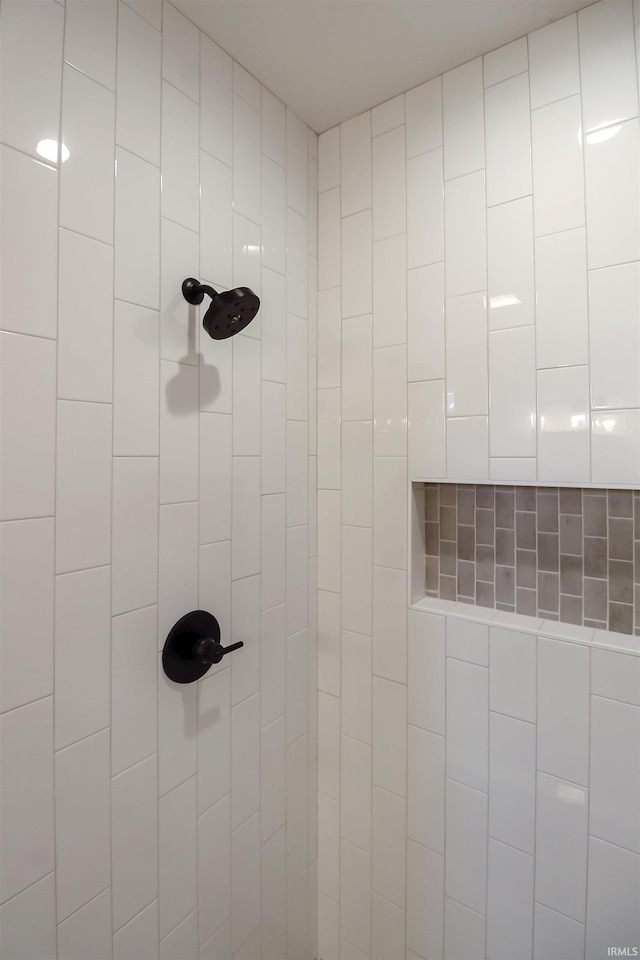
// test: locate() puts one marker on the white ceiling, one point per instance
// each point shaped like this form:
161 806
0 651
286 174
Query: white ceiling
331 59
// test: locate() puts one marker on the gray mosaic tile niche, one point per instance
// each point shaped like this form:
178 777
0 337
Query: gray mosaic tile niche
559 553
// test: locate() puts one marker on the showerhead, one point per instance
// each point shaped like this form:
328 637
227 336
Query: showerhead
228 313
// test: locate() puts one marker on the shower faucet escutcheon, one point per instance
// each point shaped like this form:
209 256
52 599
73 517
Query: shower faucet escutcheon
192 646
229 312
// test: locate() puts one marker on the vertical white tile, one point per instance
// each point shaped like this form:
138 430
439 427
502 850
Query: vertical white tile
178 845
273 538
389 736
139 937
273 217
245 880
182 941
297 163
27 836
615 676
464 932
26 570
274 329
246 86
389 184
508 133
614 305
512 389
245 619
465 235
273 749
463 116
32 42
513 468
512 781
180 64
357 473
216 222
297 940
82 654
329 459
329 159
214 869
466 845
85 338
134 688
246 397
388 844
297 264
329 540
134 533
86 177
390 623
561 846
611 183
215 100
83 840
28 921
563 425
274 119
389 292
466 356
329 342
215 477
297 579
179 320
561 299
139 86
29 217
355 792
214 738
387 115
563 710
425 323
354 175
558 177
355 897
297 368
425 900
467 448
179 423
509 902
468 640
423 109
467 726
297 686
90 40
274 890
88 932
177 564
614 786
245 532
357 285
426 788
134 838
329 745
27 476
245 759
554 62
616 447
83 488
356 579
390 401
512 299
390 512
387 929
357 368
614 888
149 10
555 935
214 582
180 157
136 380
512 664
328 846
607 68
426 671
355 686
329 225
507 61
246 159
425 209
274 426
177 732
137 231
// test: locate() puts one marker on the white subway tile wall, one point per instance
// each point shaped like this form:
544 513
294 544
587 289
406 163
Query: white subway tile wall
488 329
148 471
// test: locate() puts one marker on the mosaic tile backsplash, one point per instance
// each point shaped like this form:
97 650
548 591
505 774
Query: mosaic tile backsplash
558 553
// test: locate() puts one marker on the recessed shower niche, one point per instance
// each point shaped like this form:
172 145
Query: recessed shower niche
556 553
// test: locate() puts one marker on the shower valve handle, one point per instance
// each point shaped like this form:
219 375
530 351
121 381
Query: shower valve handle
209 650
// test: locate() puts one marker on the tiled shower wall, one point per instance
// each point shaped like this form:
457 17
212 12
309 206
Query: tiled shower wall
477 321
570 554
146 471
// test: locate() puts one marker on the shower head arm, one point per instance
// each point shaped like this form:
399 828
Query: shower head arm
194 292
